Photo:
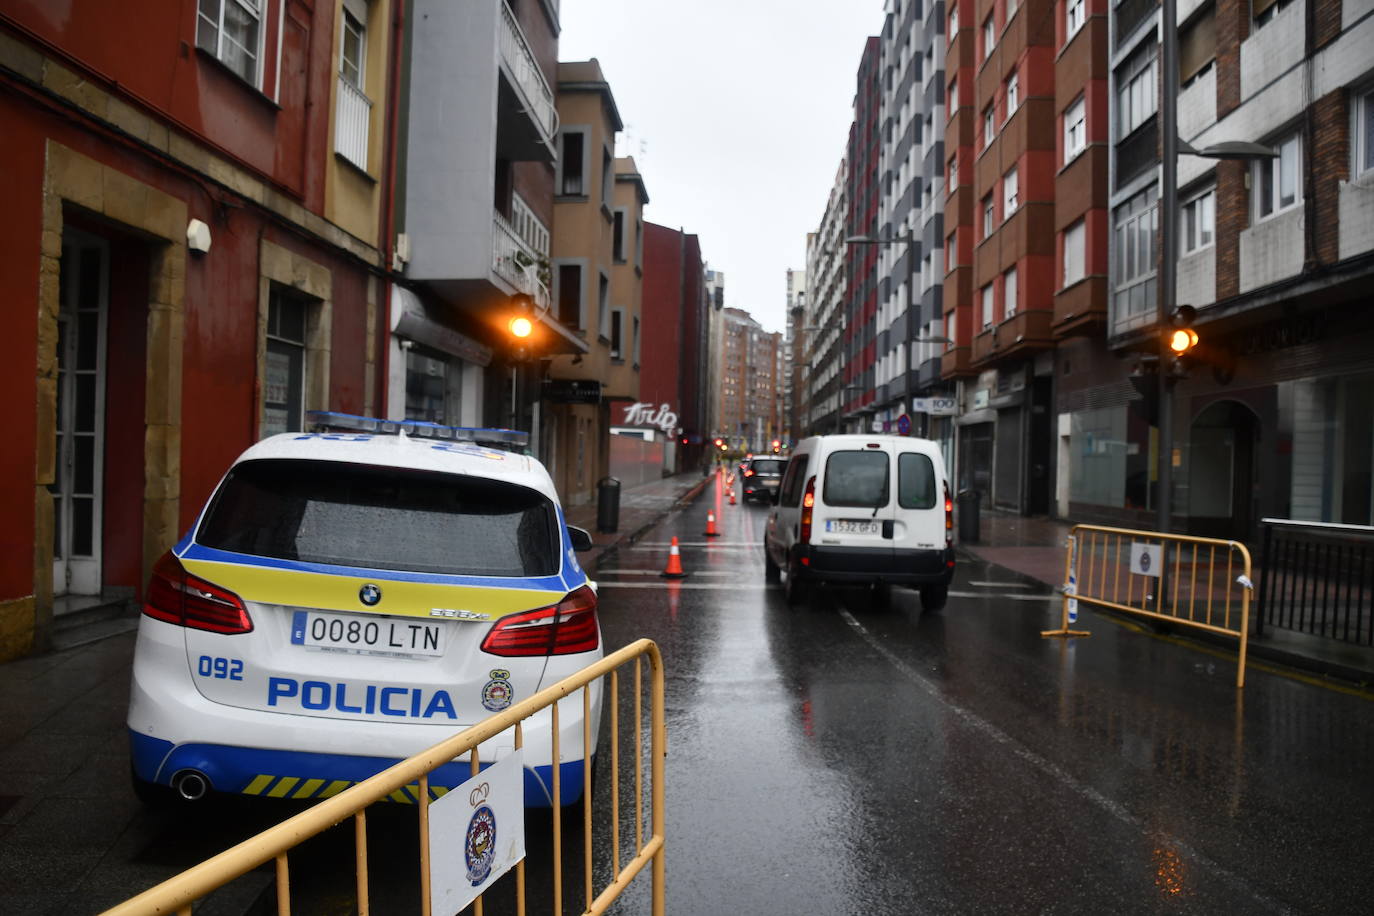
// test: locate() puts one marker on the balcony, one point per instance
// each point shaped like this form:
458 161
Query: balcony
523 89
352 117
517 263
1019 336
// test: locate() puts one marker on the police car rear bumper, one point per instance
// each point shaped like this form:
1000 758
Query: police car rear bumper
867 565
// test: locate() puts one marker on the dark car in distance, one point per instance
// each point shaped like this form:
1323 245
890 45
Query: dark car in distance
760 477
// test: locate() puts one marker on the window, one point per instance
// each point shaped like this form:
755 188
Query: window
603 307
1276 184
1197 221
1197 47
951 254
283 390
1075 130
989 126
231 30
856 480
354 110
570 295
1013 94
987 216
986 295
434 388
1010 193
634 342
1266 11
617 334
1074 18
607 177
989 36
1075 255
952 183
953 104
953 19
1363 132
915 481
1135 253
949 330
1135 90
1009 299
571 164
618 236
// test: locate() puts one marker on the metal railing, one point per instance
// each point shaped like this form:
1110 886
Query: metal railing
352 116
529 79
516 262
1178 578
410 778
1317 578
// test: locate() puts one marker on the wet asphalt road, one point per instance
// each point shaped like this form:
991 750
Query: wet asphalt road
841 759
829 758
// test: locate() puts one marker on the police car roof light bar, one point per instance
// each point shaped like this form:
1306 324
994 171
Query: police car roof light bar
331 421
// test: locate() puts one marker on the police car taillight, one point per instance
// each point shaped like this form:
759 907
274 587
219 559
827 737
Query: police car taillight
176 596
567 627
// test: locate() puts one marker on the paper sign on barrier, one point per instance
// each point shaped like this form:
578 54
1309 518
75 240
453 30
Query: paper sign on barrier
476 834
1146 559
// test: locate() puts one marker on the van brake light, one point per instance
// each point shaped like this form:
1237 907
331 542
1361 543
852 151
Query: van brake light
808 507
949 518
177 597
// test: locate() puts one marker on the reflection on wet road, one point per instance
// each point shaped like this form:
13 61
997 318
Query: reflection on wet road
836 758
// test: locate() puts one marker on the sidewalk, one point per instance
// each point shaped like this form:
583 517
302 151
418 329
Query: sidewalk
641 507
1034 547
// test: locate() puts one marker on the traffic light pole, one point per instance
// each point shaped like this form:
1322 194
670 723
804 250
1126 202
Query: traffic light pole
1168 255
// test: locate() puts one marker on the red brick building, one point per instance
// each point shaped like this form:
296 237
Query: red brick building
674 340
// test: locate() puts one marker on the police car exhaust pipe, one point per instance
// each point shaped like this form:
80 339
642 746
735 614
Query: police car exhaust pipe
191 785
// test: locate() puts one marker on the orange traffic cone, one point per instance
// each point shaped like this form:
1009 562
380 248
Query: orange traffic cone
711 531
674 568
732 496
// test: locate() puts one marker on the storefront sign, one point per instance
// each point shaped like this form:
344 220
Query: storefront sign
936 407
572 390
642 414
980 398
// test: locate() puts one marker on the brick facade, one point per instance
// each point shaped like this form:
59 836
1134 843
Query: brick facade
1330 150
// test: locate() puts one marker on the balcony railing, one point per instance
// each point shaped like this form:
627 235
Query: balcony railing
515 51
351 119
515 262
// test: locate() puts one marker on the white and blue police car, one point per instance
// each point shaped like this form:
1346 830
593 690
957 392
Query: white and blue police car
350 597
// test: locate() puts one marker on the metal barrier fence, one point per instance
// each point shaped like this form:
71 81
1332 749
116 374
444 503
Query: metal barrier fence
177 894
1178 578
1317 578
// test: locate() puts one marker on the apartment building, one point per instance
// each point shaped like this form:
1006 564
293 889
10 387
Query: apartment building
591 238
676 342
910 319
824 319
197 240
858 389
794 360
1273 417
476 211
751 366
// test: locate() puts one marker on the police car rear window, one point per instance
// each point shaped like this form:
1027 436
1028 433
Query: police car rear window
382 518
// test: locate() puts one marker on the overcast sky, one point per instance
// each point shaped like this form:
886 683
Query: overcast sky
737 112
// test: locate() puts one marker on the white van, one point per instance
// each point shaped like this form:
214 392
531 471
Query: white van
863 509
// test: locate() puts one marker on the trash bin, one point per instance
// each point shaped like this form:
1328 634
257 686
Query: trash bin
969 502
607 505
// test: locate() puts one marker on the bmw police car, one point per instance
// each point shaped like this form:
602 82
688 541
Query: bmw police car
349 598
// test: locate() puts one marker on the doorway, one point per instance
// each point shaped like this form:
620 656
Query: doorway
1221 472
83 314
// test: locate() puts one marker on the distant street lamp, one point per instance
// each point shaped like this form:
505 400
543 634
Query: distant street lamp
1172 146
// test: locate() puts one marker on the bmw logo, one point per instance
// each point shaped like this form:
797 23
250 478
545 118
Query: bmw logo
369 594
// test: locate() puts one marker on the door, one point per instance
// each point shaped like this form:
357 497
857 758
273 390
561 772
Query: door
83 291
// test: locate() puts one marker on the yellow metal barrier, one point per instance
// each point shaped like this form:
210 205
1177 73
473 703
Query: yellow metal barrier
177 894
1179 578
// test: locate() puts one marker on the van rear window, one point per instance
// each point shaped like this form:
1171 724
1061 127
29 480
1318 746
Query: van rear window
382 518
915 481
767 466
857 479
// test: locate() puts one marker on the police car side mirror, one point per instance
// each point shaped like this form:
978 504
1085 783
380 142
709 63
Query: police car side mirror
579 538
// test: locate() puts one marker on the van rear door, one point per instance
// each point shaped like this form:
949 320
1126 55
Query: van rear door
919 504
856 504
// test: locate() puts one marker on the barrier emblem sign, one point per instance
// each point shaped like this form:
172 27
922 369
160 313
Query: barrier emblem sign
476 834
1145 559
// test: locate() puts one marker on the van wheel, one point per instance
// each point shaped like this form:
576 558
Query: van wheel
771 573
934 597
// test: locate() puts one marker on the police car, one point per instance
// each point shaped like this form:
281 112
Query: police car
351 597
